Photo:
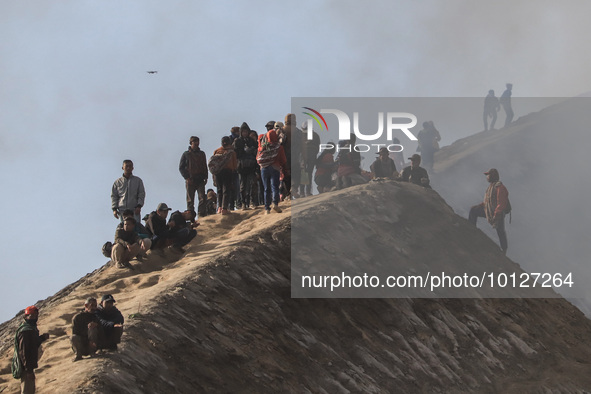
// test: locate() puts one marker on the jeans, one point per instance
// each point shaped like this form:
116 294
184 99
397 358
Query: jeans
270 178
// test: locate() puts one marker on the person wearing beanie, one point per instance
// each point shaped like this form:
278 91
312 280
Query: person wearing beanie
27 342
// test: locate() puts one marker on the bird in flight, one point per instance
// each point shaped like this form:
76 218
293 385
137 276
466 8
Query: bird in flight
152 72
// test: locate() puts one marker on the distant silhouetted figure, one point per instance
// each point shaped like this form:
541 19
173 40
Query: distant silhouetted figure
494 206
429 138
506 103
491 107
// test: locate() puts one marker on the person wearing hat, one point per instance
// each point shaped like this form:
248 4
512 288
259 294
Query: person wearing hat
128 193
270 125
494 206
85 330
27 343
111 321
505 101
415 173
383 166
491 107
156 225
193 168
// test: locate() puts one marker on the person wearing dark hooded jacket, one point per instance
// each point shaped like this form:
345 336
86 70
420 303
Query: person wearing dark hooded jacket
496 201
246 150
111 320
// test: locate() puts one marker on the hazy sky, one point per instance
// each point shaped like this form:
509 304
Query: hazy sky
76 99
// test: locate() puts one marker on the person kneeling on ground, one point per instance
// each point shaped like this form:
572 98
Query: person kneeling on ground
85 330
111 321
128 244
182 228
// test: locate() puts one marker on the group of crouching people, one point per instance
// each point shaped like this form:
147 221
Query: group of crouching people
133 240
96 327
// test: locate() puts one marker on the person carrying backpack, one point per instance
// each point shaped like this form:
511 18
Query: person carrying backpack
271 158
494 207
224 175
27 342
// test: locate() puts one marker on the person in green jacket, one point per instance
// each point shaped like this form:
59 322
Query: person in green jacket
27 342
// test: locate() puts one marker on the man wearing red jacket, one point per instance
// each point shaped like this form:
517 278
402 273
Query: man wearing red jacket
496 201
272 160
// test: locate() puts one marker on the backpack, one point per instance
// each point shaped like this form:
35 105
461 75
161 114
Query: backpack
17 365
107 247
217 162
267 153
507 210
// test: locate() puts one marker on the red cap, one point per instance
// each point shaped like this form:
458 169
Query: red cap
31 310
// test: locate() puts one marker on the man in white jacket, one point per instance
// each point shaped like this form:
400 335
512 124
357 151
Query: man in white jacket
128 193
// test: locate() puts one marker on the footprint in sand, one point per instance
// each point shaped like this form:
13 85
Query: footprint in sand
67 317
151 281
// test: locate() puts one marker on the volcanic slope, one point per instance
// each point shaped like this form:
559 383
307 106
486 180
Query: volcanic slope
221 319
543 160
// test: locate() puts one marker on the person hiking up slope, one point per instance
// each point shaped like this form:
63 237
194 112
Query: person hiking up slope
491 107
494 206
